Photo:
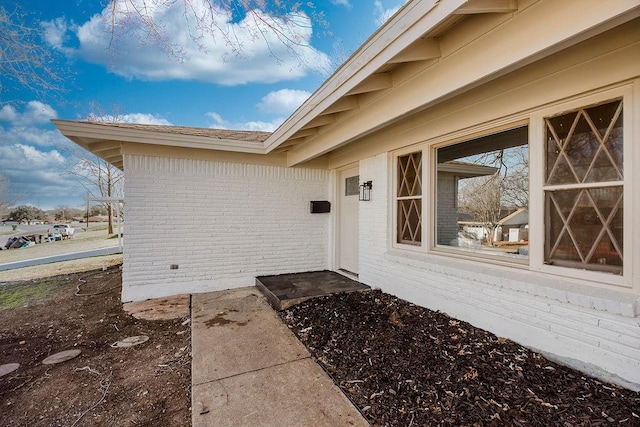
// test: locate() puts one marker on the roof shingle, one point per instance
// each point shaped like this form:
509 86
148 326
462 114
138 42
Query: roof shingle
234 135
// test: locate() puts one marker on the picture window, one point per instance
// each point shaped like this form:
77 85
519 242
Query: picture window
482 195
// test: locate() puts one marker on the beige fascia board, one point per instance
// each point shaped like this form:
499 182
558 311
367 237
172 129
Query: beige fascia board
98 146
115 161
343 104
96 132
319 122
373 83
271 159
488 6
409 24
303 133
507 103
421 50
510 47
467 170
108 154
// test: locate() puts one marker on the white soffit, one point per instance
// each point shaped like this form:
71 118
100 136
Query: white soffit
105 141
406 37
85 133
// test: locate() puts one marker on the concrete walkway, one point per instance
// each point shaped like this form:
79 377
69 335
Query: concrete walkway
248 369
63 257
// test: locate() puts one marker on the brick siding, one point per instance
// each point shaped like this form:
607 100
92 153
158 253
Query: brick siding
595 330
223 224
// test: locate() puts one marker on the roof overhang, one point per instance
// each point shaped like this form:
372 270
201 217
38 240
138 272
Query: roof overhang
466 170
371 89
402 39
106 140
404 68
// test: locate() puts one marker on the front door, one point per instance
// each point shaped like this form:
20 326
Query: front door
348 191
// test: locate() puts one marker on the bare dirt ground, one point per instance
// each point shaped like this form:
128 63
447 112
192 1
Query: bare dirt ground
148 384
403 365
59 268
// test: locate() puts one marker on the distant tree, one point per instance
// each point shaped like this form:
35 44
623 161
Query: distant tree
28 214
97 210
486 198
515 179
101 179
65 213
481 198
6 201
24 60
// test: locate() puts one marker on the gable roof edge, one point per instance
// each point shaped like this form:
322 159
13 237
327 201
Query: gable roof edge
85 133
409 24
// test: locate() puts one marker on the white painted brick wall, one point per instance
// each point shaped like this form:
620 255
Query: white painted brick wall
222 223
597 331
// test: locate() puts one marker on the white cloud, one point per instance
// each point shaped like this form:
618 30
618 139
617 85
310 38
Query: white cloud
35 112
38 177
382 13
8 114
280 102
37 159
140 118
217 119
263 126
30 125
13 157
341 2
248 54
284 101
220 123
33 136
55 32
143 118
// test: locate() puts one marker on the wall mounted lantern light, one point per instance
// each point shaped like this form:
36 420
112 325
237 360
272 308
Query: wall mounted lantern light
365 191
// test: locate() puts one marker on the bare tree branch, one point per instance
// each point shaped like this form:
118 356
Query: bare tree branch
481 198
24 60
488 198
275 23
6 201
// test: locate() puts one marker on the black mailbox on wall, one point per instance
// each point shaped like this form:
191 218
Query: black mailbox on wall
320 206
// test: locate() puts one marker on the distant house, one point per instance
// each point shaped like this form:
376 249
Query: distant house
513 227
440 81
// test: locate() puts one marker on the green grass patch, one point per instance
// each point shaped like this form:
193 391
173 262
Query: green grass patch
98 227
26 294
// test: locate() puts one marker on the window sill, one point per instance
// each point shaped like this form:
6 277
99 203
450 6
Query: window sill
520 279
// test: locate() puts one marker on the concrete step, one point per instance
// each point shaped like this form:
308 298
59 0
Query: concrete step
286 290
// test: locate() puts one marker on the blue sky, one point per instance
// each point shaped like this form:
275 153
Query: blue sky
205 85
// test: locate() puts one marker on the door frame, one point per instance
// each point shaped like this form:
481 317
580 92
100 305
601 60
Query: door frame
337 217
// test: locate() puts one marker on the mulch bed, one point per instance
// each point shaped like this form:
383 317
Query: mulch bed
404 365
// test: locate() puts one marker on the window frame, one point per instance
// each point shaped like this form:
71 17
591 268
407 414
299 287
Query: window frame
450 250
395 198
538 231
534 119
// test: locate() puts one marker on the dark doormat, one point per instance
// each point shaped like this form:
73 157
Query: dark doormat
285 290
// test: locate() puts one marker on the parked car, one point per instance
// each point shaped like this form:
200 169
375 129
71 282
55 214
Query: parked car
61 231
